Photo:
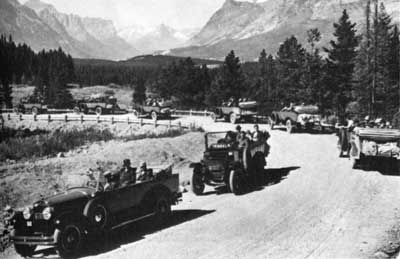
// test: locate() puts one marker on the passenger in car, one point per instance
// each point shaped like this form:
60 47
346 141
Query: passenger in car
112 179
127 174
144 173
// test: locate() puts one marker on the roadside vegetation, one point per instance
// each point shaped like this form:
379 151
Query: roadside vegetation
23 144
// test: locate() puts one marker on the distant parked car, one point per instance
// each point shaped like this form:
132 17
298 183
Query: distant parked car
31 104
98 104
306 117
65 220
235 111
154 108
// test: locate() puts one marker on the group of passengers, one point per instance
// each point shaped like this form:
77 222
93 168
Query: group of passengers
127 175
234 102
154 102
244 138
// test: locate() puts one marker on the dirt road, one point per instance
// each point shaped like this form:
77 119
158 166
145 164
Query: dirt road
311 205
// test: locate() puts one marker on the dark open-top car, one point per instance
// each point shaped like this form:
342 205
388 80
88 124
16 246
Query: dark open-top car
67 219
227 162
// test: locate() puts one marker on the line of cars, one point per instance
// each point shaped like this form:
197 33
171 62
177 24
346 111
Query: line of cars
68 219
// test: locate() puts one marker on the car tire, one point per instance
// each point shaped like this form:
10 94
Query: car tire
154 115
99 111
25 250
98 217
289 126
197 185
235 182
70 240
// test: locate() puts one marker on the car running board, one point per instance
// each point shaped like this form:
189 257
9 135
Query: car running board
132 221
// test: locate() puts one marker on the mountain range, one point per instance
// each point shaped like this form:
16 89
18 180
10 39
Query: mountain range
249 27
246 27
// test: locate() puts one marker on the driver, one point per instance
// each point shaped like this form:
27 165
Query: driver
112 179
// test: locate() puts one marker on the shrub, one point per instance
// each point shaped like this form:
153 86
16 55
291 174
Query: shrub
18 148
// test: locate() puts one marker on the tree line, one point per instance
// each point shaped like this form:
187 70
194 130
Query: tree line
50 72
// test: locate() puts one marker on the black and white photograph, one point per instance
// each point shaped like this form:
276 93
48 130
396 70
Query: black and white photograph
200 129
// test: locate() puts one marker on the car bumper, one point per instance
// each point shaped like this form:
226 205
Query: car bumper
36 240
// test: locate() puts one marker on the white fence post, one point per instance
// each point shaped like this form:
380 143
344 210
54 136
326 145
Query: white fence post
191 113
205 113
48 118
155 123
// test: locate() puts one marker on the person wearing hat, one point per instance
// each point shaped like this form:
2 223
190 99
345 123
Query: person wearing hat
127 173
238 133
144 173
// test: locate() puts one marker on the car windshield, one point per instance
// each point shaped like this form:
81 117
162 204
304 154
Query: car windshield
220 140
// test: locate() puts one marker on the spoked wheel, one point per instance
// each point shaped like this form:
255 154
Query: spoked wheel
235 182
25 250
232 118
289 126
99 111
70 240
197 183
154 115
35 111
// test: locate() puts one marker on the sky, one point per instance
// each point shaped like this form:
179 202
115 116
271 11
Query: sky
178 14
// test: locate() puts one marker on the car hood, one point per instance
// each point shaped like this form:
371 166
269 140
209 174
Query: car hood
67 196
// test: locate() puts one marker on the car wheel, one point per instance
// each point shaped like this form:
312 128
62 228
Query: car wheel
197 185
162 209
99 111
235 182
70 240
233 118
154 115
98 217
35 111
77 110
289 126
25 250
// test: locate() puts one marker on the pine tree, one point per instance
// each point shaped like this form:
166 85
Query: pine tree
139 94
340 63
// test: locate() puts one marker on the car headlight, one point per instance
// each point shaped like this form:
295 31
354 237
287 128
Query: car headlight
27 213
47 213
